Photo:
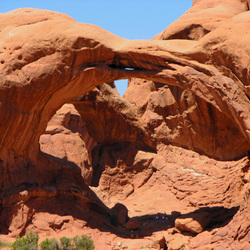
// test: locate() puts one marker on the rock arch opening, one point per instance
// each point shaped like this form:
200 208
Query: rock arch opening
121 86
99 117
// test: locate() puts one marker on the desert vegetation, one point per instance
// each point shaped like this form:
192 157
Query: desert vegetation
30 242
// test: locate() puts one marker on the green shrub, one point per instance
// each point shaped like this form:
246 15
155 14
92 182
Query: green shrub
147 246
30 242
83 243
65 243
27 242
51 244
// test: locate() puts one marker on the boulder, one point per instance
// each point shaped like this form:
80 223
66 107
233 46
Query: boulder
203 218
159 243
120 212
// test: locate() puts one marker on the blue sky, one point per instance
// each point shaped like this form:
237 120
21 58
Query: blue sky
131 19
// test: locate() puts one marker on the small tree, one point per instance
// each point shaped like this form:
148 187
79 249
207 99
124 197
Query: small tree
51 244
83 243
66 243
27 242
30 242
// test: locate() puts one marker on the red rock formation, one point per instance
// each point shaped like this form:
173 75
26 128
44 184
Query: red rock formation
48 59
184 118
62 139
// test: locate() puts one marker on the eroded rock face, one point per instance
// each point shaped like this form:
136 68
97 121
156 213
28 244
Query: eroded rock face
131 151
62 139
182 118
110 118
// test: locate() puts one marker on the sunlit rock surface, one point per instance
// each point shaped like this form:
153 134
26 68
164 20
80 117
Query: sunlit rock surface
166 164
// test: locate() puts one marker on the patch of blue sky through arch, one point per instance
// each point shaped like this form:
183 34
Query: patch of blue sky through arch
130 19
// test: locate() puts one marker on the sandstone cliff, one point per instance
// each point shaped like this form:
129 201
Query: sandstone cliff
169 160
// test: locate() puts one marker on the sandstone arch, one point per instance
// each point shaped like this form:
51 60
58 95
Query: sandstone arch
84 56
56 65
